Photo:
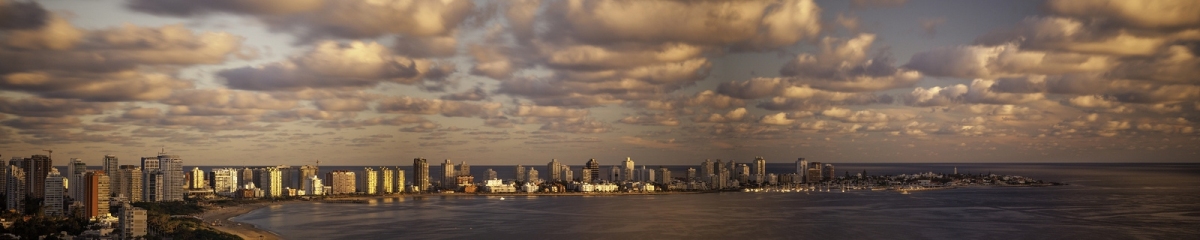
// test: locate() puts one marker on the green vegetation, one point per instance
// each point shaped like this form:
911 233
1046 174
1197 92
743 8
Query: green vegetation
37 226
159 219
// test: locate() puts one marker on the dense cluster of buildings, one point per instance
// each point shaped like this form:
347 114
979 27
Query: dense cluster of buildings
93 193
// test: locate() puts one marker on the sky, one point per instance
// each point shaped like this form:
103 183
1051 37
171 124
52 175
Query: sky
239 82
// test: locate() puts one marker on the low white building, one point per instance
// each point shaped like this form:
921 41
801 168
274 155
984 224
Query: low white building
529 187
498 186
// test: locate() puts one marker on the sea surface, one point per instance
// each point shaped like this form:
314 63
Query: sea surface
1103 201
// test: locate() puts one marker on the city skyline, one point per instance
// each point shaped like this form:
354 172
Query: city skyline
366 83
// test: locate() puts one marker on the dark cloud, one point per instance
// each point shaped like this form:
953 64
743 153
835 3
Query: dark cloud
22 15
336 65
475 94
313 20
41 107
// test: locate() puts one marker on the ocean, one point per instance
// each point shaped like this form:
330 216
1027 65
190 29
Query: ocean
1105 201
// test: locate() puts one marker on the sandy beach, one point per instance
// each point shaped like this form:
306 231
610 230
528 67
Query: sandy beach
247 231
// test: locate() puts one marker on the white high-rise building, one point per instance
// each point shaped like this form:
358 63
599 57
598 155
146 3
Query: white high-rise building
75 170
628 164
520 173
271 182
131 184
400 180
387 178
369 182
313 186
153 184
53 201
448 175
197 181
224 180
132 222
759 171
555 169
172 171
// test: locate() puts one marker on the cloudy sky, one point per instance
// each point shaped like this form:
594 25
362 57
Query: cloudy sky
239 82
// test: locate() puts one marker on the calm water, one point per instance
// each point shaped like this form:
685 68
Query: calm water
1105 201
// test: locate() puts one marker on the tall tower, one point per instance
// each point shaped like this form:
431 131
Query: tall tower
520 173
802 169
555 169
400 180
172 172
706 170
111 167
75 170
421 174
36 169
593 170
628 164
131 186
53 200
448 174
95 201
760 169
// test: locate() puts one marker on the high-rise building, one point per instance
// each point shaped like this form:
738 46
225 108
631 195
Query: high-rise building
400 180
448 175
271 182
4 166
814 172
533 175
464 169
307 171
614 173
520 173
313 186
95 200
224 180
172 172
421 174
246 177
289 177
16 187
53 200
75 170
567 174
555 170
132 222
341 182
369 181
111 167
592 170
829 173
585 175
387 178
706 169
153 183
36 168
802 169
131 185
628 164
742 173
197 178
760 169
691 174
666 175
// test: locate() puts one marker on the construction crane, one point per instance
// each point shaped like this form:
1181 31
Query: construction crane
49 153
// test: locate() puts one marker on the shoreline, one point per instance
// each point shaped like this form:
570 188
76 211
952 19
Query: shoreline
224 217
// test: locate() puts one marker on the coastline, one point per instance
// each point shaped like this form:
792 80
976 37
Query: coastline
224 215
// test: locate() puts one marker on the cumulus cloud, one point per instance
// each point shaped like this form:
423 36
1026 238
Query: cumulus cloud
643 118
549 112
749 25
320 19
980 91
863 116
776 119
735 115
412 105
22 15
843 65
1059 33
1150 15
929 25
1002 61
583 125
474 94
41 107
335 65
